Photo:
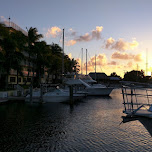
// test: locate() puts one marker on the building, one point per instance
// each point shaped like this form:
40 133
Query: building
100 76
27 65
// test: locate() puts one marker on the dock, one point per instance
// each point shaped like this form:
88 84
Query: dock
11 99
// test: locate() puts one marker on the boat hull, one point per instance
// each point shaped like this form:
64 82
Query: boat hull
99 91
55 98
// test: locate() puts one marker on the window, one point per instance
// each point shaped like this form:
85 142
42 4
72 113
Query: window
12 79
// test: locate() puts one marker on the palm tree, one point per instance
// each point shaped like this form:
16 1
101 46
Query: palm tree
12 43
21 41
33 37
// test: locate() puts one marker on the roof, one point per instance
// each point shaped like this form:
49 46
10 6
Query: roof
99 75
114 78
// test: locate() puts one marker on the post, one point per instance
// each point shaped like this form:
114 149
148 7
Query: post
71 94
82 62
41 93
123 98
95 67
63 55
31 93
86 61
9 22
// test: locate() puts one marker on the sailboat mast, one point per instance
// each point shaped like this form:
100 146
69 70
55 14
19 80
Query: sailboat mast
82 63
86 61
63 54
95 67
146 61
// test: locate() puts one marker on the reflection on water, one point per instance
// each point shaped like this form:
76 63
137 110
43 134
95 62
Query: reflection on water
146 122
90 125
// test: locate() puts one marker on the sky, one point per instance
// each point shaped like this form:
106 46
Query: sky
117 32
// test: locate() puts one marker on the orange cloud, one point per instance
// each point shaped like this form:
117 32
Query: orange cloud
112 63
138 58
70 55
125 56
53 31
120 45
71 42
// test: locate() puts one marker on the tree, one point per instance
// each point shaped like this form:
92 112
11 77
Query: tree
33 37
137 76
114 74
11 44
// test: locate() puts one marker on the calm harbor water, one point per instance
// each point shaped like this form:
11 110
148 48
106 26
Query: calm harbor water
92 125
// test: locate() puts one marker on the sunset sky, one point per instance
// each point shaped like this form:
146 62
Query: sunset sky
117 31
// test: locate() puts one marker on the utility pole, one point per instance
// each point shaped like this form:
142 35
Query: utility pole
82 62
86 61
63 55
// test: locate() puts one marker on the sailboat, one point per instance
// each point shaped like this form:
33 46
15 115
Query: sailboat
95 89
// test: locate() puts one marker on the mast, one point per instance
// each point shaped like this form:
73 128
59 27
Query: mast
95 67
146 61
82 63
63 54
86 61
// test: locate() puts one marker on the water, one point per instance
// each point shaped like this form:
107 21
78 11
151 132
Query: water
92 125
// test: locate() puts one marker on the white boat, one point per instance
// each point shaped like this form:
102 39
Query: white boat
137 101
90 89
55 95
97 89
35 96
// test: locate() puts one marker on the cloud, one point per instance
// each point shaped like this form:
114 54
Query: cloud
101 60
125 56
70 55
71 42
72 32
95 34
86 37
112 63
109 42
53 31
121 44
2 18
129 64
138 58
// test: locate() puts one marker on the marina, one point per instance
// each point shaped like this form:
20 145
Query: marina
75 76
93 124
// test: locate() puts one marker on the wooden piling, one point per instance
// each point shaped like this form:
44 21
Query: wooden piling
41 93
31 93
71 94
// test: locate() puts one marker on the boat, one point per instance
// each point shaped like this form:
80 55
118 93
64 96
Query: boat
55 95
146 122
97 89
137 101
91 86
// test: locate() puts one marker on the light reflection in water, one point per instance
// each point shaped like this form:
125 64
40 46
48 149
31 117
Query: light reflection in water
90 125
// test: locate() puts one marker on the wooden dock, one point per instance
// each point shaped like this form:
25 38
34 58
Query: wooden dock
11 99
